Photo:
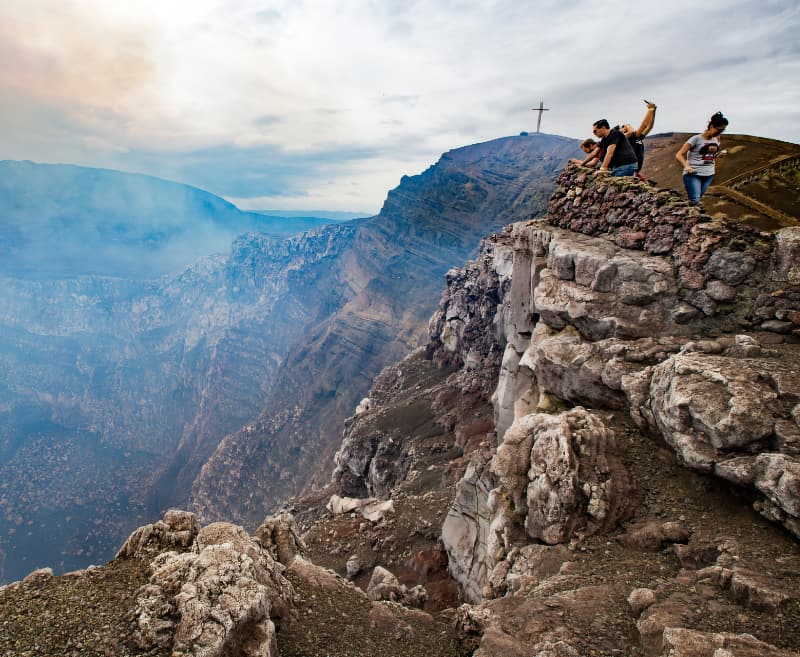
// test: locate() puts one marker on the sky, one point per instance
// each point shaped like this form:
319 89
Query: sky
324 105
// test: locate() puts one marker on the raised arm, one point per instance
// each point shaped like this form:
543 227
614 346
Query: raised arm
648 121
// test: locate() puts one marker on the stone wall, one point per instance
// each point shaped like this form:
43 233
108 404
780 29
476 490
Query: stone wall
724 268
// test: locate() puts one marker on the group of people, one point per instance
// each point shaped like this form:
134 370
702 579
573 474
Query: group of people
620 151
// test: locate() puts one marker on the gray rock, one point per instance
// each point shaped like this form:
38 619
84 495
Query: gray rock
354 567
682 642
383 585
214 599
466 530
654 535
561 474
280 536
731 267
726 415
720 291
786 256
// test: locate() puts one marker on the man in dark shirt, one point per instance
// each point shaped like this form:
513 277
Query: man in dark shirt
619 156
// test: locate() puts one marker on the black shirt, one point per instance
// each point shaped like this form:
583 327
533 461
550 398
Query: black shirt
623 153
637 144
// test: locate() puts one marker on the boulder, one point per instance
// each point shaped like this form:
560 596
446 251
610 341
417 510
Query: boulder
371 508
562 475
217 598
653 535
731 416
280 536
383 585
682 642
640 599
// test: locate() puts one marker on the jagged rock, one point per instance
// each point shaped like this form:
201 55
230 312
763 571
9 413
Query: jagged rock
38 577
682 642
383 585
494 622
526 567
354 566
214 599
602 290
703 549
786 257
562 475
555 475
752 589
177 529
466 529
675 611
516 393
280 536
558 649
727 415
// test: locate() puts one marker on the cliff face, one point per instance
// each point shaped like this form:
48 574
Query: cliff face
631 341
374 299
116 392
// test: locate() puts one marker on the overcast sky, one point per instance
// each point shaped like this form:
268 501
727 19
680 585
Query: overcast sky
326 104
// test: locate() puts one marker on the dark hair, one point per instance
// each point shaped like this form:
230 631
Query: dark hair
603 123
589 143
717 121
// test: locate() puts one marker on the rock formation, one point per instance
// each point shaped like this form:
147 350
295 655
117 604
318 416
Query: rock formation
625 304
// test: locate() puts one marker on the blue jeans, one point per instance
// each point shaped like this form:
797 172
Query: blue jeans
696 186
625 169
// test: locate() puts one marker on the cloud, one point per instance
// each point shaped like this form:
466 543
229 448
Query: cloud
292 98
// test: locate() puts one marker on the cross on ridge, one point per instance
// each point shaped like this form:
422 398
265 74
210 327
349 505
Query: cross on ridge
540 109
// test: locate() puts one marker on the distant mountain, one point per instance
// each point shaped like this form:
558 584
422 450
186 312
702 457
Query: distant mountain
333 215
228 383
61 220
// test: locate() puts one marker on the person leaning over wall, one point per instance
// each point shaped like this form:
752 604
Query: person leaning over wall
619 157
587 146
698 156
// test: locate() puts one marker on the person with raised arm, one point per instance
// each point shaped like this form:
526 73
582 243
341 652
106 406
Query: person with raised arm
636 137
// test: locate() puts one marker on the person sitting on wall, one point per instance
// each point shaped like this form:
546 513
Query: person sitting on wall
587 146
636 137
619 157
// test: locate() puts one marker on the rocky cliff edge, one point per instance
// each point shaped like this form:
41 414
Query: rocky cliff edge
644 422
